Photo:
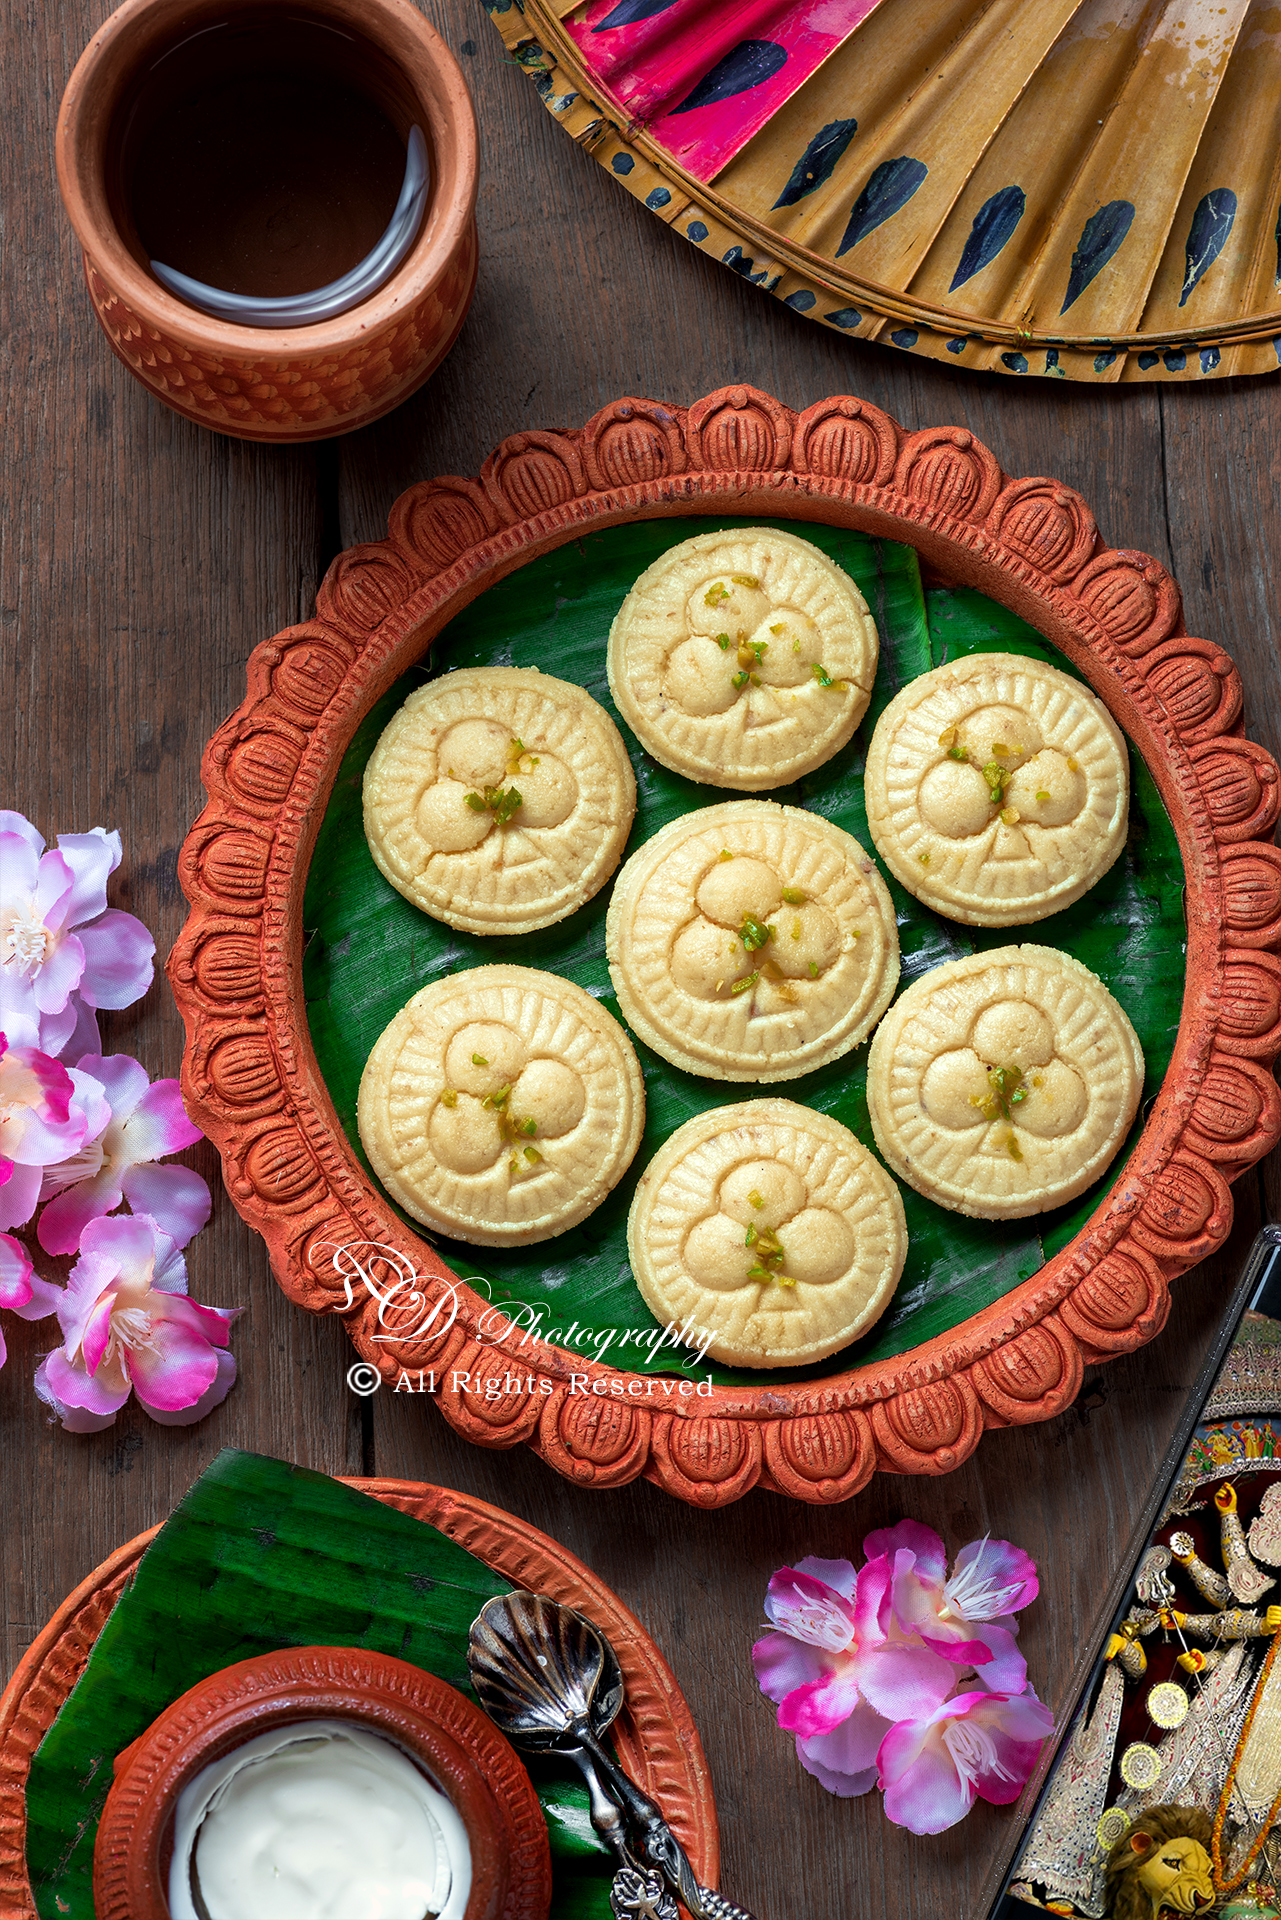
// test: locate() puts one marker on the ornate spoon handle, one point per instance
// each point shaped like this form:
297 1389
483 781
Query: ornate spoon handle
658 1847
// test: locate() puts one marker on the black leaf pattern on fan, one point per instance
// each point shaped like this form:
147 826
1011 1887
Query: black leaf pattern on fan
747 65
628 12
994 222
1101 235
816 163
1208 235
890 187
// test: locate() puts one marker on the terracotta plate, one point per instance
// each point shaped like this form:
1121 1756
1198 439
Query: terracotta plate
251 1080
655 1735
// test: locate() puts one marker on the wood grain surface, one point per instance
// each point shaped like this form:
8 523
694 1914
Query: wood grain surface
142 559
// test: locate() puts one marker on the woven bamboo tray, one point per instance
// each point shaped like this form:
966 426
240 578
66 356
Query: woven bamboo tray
1076 190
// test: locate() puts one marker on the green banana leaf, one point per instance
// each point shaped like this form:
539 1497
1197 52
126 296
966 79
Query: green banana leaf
368 950
261 1555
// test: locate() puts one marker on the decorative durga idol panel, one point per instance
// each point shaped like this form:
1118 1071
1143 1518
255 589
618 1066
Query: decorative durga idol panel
1164 1797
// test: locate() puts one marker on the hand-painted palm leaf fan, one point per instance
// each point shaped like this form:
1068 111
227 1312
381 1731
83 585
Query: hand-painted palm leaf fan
1089 189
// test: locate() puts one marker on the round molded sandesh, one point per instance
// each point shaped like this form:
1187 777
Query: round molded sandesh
501 1106
743 659
770 1227
499 799
1003 1084
997 789
751 941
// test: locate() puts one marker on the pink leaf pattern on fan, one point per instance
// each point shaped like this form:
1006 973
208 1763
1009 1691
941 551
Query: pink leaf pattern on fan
703 78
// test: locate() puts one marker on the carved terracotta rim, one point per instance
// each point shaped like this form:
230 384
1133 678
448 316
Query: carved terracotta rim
471 1762
251 1080
657 1740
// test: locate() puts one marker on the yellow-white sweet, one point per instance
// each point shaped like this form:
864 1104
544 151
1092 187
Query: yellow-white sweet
743 658
316 1821
498 799
770 1227
1004 1083
997 789
501 1105
750 941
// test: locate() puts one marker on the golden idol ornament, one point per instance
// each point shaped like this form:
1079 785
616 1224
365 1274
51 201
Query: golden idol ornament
1140 1766
1114 1824
1167 1704
1265 1528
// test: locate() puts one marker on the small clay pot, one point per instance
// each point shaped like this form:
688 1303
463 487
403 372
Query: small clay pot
283 384
456 1744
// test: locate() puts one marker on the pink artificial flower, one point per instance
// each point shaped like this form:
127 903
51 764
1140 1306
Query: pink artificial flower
141 1123
983 1744
969 1618
44 1114
63 951
832 1670
128 1326
22 1290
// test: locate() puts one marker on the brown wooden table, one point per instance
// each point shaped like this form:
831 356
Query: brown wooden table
143 558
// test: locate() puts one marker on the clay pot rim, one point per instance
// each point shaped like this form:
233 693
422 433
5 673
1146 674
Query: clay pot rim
399 31
445 1733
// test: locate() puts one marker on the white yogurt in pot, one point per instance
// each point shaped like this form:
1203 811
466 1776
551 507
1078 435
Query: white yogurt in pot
320 1820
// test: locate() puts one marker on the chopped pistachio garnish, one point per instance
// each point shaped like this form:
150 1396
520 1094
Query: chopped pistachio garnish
999 747
528 1127
813 969
769 1256
501 802
1007 1093
449 1098
1037 1081
516 752
823 677
754 933
750 1241
739 679
1010 816
776 630
796 646
745 580
958 753
724 854
997 781
717 592
794 896
948 737
497 1099
1072 766
755 1199
924 858
796 928
1042 795
1012 1146
722 641
748 980
479 1060
532 1155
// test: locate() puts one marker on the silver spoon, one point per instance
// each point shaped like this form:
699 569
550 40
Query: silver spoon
552 1683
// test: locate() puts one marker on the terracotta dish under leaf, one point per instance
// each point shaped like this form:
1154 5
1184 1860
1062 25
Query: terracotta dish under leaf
251 1075
1078 189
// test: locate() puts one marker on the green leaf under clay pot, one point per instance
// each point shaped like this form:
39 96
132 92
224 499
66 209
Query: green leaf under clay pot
368 950
261 1555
